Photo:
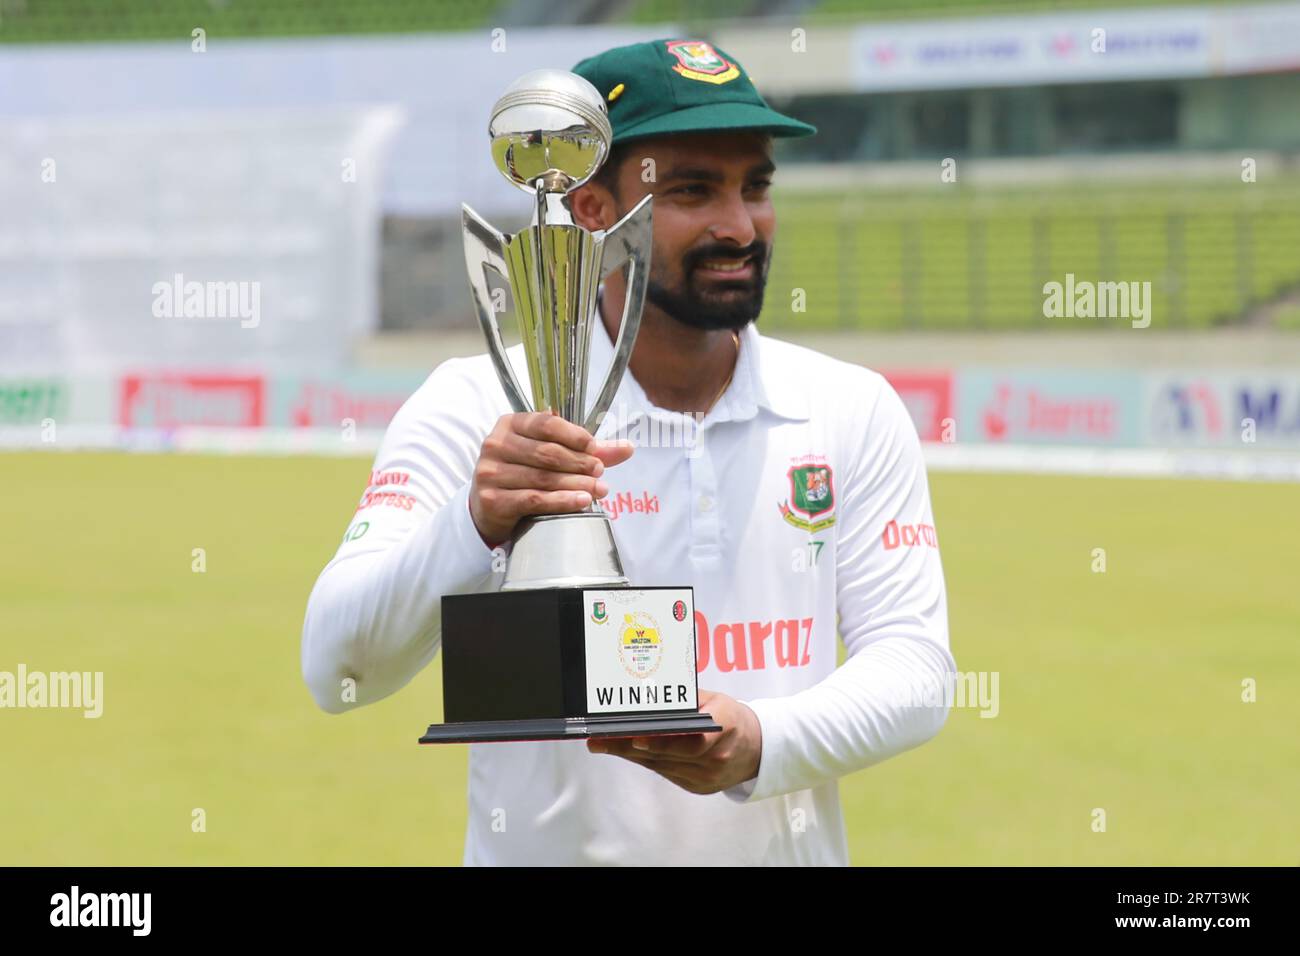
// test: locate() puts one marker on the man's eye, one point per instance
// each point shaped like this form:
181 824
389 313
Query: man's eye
760 184
694 189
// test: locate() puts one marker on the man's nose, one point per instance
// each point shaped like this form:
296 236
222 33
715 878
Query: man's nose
733 222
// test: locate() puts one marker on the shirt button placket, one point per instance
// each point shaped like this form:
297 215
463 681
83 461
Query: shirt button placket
706 530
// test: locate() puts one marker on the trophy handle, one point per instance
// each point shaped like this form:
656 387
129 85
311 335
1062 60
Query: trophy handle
484 249
631 238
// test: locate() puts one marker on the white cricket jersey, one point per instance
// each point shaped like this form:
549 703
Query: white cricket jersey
799 499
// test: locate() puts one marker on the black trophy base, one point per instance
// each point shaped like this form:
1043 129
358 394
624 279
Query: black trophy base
569 728
532 665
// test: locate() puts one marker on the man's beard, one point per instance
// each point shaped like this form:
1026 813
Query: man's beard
729 304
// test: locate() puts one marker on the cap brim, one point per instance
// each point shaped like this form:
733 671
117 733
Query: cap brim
717 117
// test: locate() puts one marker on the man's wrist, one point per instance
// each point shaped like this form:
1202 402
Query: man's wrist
469 504
756 741
761 785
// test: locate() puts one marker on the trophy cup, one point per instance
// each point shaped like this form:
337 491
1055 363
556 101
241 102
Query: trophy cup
566 648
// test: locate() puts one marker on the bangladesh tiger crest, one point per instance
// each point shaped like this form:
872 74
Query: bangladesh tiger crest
697 60
811 506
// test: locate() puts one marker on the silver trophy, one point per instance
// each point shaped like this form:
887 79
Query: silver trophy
550 134
565 649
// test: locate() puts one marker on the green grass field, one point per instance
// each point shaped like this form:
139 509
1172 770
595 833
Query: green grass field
1119 690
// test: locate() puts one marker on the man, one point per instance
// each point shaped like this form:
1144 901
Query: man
775 511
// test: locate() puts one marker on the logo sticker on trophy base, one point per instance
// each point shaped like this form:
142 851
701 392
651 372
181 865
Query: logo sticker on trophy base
565 649
566 663
640 655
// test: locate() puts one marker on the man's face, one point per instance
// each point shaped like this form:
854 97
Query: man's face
713 223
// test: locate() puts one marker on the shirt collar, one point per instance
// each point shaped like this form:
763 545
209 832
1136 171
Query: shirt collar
758 382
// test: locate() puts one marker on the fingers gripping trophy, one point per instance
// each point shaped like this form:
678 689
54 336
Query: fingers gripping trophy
566 648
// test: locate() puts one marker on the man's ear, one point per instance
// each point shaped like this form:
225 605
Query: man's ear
593 207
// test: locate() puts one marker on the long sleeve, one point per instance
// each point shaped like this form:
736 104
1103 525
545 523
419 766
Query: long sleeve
887 696
374 617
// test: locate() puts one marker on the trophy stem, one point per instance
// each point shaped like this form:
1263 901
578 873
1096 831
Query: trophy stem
544 323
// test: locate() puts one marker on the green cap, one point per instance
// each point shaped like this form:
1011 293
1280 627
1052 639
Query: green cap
680 86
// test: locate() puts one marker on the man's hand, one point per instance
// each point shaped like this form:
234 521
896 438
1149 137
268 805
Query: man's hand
536 463
699 763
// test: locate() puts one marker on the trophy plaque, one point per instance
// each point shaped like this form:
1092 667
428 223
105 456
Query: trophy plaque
566 648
